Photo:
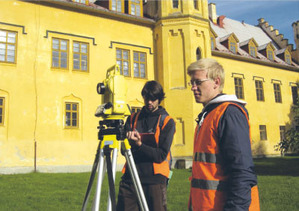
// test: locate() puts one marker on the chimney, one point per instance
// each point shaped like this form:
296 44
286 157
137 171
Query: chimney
220 20
212 12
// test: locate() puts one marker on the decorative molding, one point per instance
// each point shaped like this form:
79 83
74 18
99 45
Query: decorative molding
68 34
15 25
238 74
139 46
294 84
258 77
277 81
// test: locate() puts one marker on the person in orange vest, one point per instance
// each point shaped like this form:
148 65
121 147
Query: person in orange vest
223 177
150 134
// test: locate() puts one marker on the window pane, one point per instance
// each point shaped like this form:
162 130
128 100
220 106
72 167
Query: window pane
118 54
136 69
11 37
76 47
74 107
55 44
142 70
63 45
83 48
136 57
68 119
125 55
2 36
74 123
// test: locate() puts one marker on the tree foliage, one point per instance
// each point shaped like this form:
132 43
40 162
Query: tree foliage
290 142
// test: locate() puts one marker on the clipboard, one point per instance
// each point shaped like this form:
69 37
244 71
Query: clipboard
148 139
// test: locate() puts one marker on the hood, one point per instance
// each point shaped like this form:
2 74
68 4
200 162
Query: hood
225 98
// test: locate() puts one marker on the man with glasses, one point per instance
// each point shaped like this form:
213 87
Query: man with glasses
150 134
223 178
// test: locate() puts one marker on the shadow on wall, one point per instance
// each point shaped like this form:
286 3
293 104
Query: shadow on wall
259 148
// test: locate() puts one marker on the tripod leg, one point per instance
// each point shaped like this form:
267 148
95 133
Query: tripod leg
136 180
114 161
91 179
100 181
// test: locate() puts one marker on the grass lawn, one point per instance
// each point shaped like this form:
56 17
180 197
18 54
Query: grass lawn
278 185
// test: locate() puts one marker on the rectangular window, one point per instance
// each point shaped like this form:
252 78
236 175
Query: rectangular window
123 61
282 130
81 1
277 93
263 132
136 7
2 103
71 115
295 95
252 51
116 5
60 53
195 4
139 64
175 3
80 56
233 47
259 90
8 48
288 59
239 90
270 55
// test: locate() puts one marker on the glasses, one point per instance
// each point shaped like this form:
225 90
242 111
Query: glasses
197 82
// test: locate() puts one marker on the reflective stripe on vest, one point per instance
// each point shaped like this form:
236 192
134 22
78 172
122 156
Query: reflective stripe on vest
159 168
208 181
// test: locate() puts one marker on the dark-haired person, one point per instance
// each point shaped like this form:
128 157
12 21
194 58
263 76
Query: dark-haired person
151 154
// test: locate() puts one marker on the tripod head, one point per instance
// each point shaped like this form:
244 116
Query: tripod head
114 93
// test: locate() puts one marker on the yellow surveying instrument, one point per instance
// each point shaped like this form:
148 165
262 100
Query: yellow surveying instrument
111 133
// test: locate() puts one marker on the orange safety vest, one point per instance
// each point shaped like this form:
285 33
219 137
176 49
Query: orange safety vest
159 168
208 181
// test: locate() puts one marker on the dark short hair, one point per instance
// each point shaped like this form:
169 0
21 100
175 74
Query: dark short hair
153 90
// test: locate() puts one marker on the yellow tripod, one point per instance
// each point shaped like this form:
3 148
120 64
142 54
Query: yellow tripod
112 131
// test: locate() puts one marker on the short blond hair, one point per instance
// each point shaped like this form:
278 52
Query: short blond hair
211 66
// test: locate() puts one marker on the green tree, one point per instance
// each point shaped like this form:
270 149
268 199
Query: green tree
290 142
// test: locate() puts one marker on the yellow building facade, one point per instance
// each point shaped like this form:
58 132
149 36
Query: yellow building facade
53 54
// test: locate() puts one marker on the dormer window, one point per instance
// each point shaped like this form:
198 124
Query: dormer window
252 51
287 57
82 1
135 7
270 54
233 46
116 5
213 43
230 42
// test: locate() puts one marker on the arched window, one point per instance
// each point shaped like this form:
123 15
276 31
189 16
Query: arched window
198 54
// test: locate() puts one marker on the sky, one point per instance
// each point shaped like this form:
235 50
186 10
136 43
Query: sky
278 13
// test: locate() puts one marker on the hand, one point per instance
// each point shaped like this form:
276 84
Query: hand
134 136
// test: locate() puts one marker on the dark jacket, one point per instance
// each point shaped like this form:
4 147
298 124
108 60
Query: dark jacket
145 155
235 147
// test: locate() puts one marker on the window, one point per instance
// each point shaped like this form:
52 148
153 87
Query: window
116 5
139 64
71 115
212 43
233 47
288 58
123 61
198 54
239 88
295 95
60 53
80 56
259 90
270 55
2 103
8 41
195 4
263 132
282 130
252 51
175 3
277 93
136 7
81 1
